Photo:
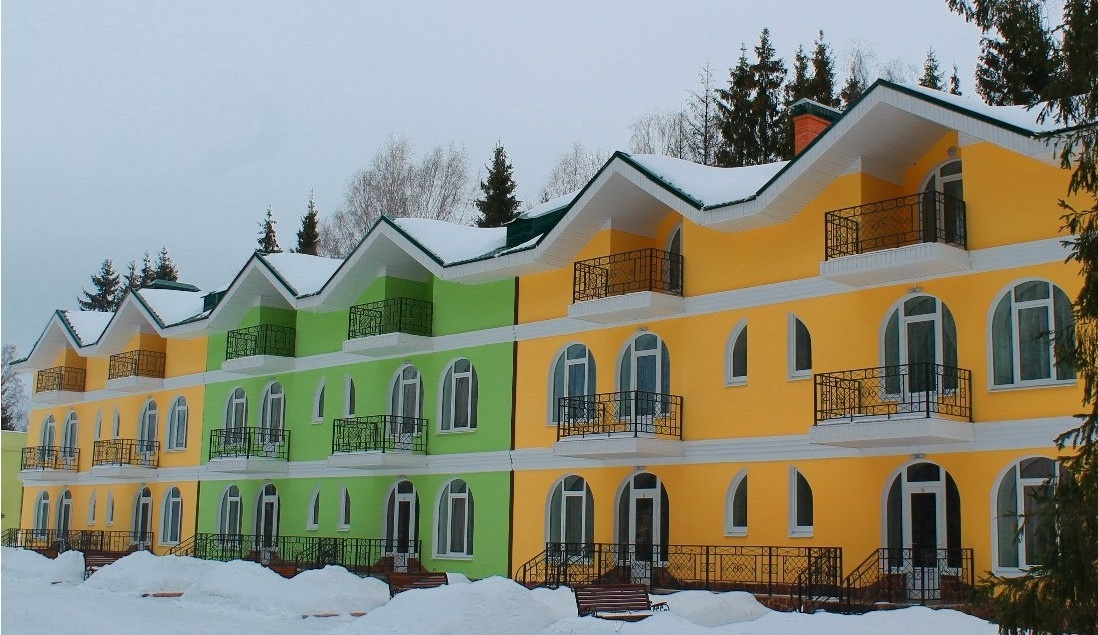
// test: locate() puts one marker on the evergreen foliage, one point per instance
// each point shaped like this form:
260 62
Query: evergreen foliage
498 205
821 87
132 279
147 272
955 83
1060 595
106 290
768 74
799 86
1015 66
165 268
268 240
932 73
308 237
857 78
738 143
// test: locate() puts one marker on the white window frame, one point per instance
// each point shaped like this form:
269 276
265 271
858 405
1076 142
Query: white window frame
48 436
318 401
350 396
731 378
312 512
110 508
796 530
91 508
1007 295
731 529
171 513
443 523
448 408
397 404
272 419
1014 470
237 397
149 421
224 509
116 424
557 534
178 416
42 511
98 431
344 509
794 372
590 377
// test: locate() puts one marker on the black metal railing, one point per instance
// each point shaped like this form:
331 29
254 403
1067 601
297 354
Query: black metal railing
633 412
85 540
628 272
907 575
270 443
380 433
820 582
395 315
137 363
930 217
44 457
894 391
136 452
60 378
364 556
265 339
758 569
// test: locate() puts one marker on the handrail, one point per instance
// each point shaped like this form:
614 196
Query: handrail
260 442
379 433
929 217
627 272
393 315
628 413
66 378
893 391
45 457
137 363
264 339
136 452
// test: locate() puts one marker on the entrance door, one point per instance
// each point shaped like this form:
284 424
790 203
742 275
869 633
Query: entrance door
920 351
64 516
142 519
924 529
643 523
267 523
401 528
942 217
405 408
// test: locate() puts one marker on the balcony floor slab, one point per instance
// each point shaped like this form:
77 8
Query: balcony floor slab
618 447
57 396
879 432
46 476
258 364
132 472
135 383
248 465
900 263
387 344
379 460
631 306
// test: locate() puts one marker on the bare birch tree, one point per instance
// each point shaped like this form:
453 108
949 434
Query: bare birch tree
572 171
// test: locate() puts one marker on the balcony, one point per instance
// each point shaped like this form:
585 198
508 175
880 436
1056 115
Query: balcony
900 238
379 441
246 450
618 425
891 406
61 384
390 327
125 458
646 283
289 555
136 371
47 463
258 350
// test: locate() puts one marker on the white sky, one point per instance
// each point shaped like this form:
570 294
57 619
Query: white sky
131 125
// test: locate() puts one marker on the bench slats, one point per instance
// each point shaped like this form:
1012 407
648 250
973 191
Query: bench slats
628 602
425 580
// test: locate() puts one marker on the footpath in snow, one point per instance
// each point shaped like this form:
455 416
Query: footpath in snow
40 595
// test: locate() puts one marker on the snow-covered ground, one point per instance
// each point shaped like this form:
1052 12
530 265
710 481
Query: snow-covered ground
41 596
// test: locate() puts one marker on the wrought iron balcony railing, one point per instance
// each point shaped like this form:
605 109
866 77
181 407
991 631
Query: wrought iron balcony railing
364 556
380 433
137 363
395 315
930 217
135 452
631 413
46 457
265 339
269 443
60 378
85 540
894 391
628 272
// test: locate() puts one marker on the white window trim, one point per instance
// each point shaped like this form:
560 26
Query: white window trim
729 380
110 509
397 385
729 529
265 407
348 407
230 410
1018 384
795 530
562 354
165 517
449 370
98 425
344 518
564 494
444 491
116 428
149 419
91 509
173 430
795 374
1015 465
311 523
318 401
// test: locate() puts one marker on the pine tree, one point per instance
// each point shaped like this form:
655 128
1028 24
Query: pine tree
165 268
768 73
498 205
821 87
800 85
932 73
148 274
107 290
308 237
268 240
133 279
857 74
1015 67
955 82
734 105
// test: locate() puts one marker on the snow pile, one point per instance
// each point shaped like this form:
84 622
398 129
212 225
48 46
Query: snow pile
552 205
657 624
561 600
141 572
714 609
334 589
23 565
305 273
492 605
917 620
707 185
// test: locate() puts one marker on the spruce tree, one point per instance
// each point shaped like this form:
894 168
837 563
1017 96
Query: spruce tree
932 72
165 268
308 237
1016 66
821 87
268 240
768 73
106 290
734 107
148 273
133 279
800 85
954 82
498 205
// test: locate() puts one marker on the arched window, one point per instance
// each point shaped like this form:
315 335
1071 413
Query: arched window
236 410
116 424
923 516
349 396
571 514
345 510
228 522
64 513
312 520
91 508
69 441
42 512
98 425
406 399
401 520
455 520
942 216
318 402
1018 533
142 517
735 517
1024 327
459 397
110 508
267 510
918 334
177 424
674 270
800 348
147 423
736 361
573 376
49 432
644 518
800 505
171 517
644 374
272 409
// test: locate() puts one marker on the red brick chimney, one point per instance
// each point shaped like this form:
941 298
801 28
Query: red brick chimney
810 118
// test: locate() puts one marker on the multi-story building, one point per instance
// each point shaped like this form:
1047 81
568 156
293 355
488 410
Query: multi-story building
682 374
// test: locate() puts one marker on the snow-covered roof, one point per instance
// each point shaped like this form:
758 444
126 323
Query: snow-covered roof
87 326
1025 117
305 274
452 243
551 205
706 185
171 306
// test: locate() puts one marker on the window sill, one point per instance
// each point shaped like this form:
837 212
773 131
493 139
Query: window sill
735 381
452 556
735 533
1009 572
312 527
319 421
801 533
344 529
175 450
801 377
458 431
1052 383
167 544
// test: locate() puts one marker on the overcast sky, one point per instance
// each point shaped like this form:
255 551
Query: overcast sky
127 126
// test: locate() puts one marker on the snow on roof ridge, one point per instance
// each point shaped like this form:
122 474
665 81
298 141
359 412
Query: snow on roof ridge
172 306
87 326
451 242
305 273
1018 116
552 204
707 185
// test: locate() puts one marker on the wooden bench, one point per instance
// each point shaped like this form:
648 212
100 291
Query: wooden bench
96 560
626 602
415 580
